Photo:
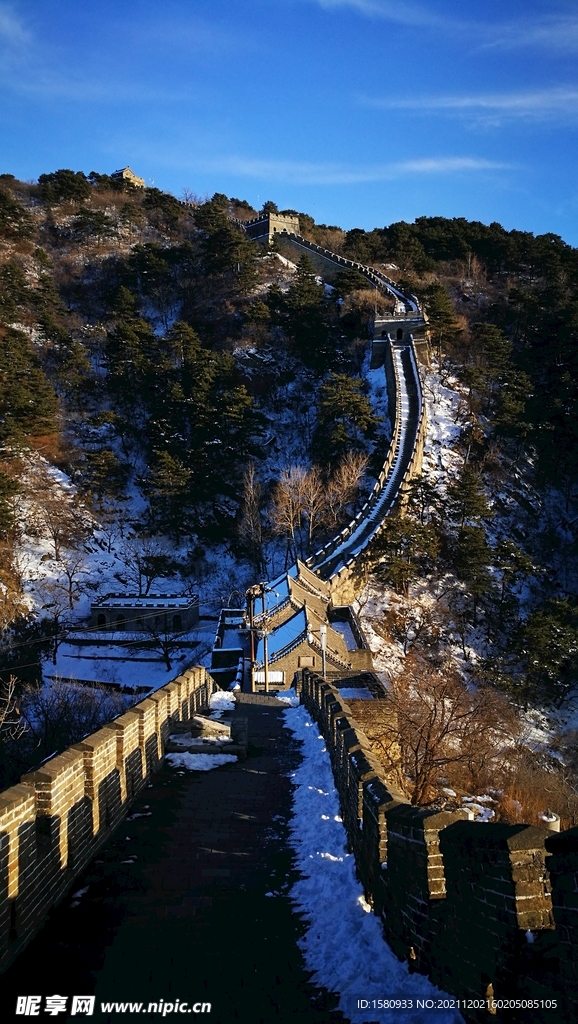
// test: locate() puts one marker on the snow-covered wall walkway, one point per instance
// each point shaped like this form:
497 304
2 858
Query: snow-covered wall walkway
343 944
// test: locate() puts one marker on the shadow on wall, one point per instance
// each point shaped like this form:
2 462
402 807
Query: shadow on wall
485 910
55 820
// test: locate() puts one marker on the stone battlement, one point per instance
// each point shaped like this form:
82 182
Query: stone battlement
58 816
266 226
480 908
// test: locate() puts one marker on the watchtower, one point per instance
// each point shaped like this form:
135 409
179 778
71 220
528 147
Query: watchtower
264 227
125 174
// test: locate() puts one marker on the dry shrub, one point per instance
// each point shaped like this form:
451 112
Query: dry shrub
444 728
536 784
329 237
107 200
55 449
362 303
20 247
424 628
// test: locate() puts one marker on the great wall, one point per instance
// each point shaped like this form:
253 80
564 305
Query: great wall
485 910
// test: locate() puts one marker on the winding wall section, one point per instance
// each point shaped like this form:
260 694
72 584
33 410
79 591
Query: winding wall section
336 561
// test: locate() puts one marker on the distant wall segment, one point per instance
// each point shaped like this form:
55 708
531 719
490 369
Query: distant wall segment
58 816
265 227
337 561
483 909
400 335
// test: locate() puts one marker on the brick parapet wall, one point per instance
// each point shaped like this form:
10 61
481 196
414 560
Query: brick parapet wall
480 908
53 822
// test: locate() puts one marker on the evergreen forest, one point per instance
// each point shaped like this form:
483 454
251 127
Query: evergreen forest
204 400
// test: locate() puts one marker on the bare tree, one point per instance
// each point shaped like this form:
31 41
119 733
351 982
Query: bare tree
12 724
439 725
62 713
145 561
56 511
163 640
287 508
72 567
189 197
110 529
343 485
313 501
250 525
57 608
415 626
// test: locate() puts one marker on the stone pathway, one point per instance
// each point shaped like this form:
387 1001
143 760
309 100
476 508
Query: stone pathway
191 917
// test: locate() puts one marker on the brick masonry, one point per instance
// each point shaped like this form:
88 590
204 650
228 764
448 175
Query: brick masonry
480 908
53 822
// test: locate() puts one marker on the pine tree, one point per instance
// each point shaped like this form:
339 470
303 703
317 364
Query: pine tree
168 490
471 561
9 488
444 324
548 645
107 475
466 498
28 404
15 221
512 564
346 419
402 550
306 317
64 185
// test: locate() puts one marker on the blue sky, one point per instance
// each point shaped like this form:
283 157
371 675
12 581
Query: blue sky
359 112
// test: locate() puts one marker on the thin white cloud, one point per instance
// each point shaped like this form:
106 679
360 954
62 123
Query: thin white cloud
538 104
555 33
302 173
195 37
12 30
47 72
400 11
47 85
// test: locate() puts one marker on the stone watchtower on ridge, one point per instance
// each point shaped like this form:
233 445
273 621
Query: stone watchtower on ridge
264 227
125 174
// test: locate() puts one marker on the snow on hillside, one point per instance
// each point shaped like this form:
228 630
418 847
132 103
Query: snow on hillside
517 503
67 560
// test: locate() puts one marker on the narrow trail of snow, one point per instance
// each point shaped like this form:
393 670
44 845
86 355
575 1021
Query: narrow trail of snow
343 944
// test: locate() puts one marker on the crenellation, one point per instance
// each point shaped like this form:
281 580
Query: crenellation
173 691
59 785
457 897
53 822
100 753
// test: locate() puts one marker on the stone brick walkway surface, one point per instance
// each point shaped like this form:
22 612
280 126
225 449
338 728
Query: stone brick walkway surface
191 917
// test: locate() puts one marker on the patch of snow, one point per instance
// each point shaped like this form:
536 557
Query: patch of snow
182 740
116 666
343 945
289 697
286 263
347 633
199 762
221 701
355 693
